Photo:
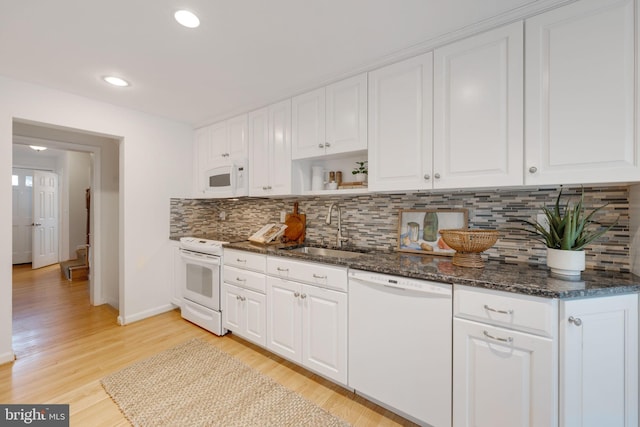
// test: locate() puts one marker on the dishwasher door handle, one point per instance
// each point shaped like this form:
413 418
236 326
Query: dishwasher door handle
425 289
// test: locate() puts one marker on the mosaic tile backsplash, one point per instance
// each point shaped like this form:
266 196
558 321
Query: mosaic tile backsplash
371 221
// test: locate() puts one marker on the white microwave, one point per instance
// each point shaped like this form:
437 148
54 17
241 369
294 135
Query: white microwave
227 181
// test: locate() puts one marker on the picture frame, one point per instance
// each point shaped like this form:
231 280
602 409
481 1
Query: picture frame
418 229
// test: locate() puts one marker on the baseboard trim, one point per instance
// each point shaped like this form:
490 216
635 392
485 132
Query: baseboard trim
125 320
7 357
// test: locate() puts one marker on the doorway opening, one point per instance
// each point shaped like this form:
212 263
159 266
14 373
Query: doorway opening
83 160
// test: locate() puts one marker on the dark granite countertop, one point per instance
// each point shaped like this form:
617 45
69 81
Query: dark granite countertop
518 278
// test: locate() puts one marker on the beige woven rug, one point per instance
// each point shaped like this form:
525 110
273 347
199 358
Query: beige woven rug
196 384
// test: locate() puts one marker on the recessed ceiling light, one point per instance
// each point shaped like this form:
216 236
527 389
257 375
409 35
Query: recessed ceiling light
116 81
37 148
186 18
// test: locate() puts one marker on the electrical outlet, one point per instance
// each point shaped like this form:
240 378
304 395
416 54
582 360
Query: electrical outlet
542 220
283 216
222 215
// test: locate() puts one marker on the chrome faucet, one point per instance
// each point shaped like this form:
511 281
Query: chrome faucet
339 238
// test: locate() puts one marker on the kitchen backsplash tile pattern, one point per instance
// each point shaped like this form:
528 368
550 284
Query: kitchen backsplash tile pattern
371 221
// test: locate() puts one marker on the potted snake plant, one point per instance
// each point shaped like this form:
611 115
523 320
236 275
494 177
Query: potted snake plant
566 232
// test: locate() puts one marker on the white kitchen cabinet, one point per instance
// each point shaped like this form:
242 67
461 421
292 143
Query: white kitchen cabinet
244 302
330 120
400 125
218 152
270 150
220 144
501 377
244 313
307 323
478 108
599 361
580 92
504 375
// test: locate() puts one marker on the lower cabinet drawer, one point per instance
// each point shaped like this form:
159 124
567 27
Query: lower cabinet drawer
323 275
244 259
514 311
245 279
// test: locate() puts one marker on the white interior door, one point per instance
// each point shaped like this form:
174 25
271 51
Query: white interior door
22 185
45 219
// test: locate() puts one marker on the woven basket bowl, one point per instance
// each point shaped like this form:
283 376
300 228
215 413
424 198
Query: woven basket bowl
469 244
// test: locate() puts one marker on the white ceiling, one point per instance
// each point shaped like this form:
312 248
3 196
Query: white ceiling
245 54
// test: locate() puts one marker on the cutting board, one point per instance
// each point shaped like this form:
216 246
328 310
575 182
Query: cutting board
296 225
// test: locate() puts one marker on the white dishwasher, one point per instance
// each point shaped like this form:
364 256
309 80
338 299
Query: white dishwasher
400 340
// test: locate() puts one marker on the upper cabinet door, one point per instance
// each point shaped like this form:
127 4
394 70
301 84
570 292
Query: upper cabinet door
259 152
237 139
218 153
580 110
478 109
308 124
279 156
346 128
201 158
400 125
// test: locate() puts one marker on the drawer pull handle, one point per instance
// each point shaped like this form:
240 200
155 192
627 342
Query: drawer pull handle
318 276
240 279
282 269
575 320
486 307
488 335
241 260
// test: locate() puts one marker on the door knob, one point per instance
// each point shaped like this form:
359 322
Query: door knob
533 169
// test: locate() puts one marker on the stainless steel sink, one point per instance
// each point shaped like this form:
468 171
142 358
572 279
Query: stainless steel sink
335 253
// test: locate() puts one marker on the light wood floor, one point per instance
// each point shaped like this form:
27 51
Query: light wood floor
64 346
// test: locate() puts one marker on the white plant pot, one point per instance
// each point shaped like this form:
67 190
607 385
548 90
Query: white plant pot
361 177
566 263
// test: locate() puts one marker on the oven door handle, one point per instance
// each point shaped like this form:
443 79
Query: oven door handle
194 256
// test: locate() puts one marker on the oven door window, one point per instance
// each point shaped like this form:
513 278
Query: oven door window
200 280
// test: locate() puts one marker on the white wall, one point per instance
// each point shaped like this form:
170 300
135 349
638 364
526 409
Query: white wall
154 157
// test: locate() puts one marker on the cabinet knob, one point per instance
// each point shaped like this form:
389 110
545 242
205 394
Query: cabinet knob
296 294
238 297
264 187
436 176
268 187
320 145
533 169
427 177
303 296
327 144
575 320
